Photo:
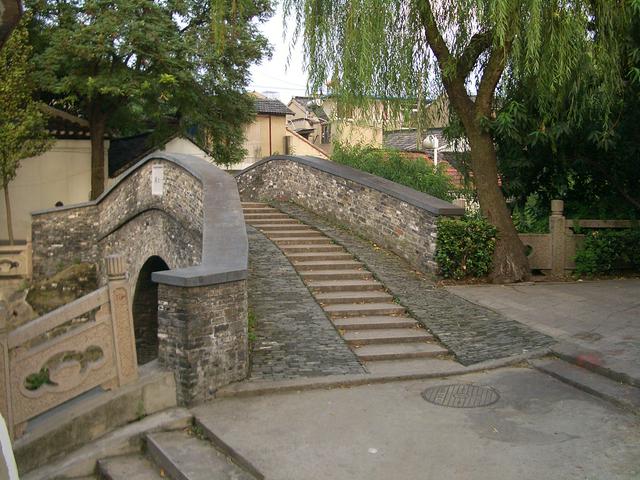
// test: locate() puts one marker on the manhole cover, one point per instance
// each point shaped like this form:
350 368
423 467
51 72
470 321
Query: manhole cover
461 396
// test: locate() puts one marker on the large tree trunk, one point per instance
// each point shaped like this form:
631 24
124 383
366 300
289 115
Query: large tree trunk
97 128
7 206
510 264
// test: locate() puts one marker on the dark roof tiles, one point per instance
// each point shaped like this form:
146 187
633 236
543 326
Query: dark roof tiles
271 106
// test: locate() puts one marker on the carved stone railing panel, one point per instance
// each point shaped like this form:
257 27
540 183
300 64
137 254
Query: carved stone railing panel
15 260
555 251
41 371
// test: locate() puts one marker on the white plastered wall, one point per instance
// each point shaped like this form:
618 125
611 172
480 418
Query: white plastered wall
62 174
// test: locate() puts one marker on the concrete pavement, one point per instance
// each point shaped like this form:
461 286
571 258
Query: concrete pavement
596 322
540 428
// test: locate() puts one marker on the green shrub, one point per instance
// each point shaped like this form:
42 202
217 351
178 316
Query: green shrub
606 251
392 165
465 247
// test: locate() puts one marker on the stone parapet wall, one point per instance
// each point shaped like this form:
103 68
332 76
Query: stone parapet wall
126 219
203 337
391 215
194 223
65 236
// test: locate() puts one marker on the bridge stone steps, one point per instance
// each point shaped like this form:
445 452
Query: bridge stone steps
327 265
335 298
269 227
296 233
336 274
363 309
315 248
396 351
295 240
321 286
380 336
254 205
185 457
260 210
375 328
250 219
371 322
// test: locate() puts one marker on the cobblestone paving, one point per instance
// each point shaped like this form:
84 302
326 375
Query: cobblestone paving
294 338
472 332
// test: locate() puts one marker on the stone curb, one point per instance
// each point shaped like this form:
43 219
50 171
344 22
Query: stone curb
254 388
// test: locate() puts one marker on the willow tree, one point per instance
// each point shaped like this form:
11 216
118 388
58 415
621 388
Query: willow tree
467 49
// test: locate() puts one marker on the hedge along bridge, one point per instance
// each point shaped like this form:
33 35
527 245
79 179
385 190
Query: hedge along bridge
177 222
172 230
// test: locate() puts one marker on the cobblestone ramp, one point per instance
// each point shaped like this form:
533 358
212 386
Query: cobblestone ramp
294 339
377 328
471 332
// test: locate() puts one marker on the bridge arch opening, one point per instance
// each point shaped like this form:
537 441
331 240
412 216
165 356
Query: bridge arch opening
145 310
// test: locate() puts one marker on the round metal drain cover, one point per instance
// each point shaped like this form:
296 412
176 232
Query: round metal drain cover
461 396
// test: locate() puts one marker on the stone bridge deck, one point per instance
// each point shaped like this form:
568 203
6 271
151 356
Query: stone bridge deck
361 296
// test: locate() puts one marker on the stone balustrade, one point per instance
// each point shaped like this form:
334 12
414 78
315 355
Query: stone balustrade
69 351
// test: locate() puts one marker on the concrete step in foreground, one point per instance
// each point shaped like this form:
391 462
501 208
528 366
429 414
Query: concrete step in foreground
129 467
185 457
623 395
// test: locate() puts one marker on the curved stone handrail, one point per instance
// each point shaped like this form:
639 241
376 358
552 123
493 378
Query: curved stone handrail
393 189
224 239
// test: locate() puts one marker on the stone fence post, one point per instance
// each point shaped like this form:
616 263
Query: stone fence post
121 320
557 229
5 384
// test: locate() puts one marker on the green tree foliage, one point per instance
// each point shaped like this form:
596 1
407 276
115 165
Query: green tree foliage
392 48
591 161
125 64
22 125
392 165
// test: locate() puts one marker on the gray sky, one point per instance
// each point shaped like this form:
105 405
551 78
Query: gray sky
285 77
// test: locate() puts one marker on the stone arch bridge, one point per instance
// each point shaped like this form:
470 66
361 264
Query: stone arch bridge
178 223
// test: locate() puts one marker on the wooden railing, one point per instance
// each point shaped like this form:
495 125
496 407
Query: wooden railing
15 260
67 352
555 251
